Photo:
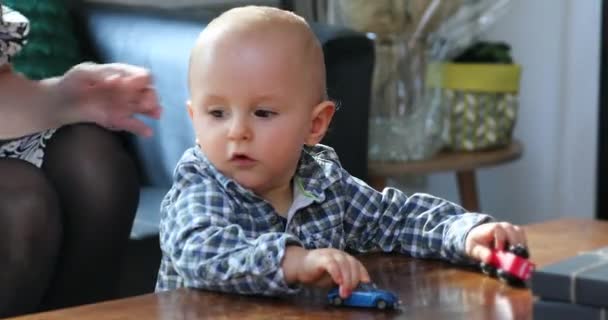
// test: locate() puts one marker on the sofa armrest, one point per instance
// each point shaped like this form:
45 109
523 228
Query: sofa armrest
349 59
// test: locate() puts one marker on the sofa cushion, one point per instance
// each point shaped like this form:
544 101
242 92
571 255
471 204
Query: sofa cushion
119 36
179 4
147 217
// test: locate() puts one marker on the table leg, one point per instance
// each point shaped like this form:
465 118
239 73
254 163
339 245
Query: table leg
467 187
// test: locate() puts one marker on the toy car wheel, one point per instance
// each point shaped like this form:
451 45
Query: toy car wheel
520 250
337 301
509 278
381 304
488 269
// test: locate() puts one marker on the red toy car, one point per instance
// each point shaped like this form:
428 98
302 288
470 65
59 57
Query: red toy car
511 266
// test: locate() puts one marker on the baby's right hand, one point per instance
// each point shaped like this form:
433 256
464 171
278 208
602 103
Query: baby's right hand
314 267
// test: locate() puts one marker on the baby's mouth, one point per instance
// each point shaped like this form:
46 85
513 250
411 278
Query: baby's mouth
240 156
241 159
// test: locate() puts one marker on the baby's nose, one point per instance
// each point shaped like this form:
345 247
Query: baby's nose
239 129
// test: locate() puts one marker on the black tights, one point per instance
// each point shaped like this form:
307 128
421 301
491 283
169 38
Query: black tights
63 228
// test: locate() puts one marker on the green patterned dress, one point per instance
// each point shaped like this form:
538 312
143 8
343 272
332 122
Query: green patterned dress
51 50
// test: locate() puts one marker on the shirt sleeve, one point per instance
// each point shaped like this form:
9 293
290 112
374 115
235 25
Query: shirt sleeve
14 28
209 250
420 225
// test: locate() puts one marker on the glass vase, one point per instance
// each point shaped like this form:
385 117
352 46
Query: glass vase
406 117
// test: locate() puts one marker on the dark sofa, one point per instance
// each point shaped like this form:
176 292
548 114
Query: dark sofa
161 41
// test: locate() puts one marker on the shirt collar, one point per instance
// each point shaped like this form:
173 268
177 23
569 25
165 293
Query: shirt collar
318 169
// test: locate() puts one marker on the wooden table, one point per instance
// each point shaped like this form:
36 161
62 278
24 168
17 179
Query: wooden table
428 289
463 163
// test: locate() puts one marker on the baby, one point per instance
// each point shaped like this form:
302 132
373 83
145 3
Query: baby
258 206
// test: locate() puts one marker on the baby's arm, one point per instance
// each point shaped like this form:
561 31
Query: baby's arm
209 250
420 225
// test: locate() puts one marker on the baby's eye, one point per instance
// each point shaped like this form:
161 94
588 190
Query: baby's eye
216 113
264 113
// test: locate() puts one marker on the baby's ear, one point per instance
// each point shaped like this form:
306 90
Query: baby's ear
189 107
321 118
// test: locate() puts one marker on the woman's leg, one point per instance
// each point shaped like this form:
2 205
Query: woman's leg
30 235
96 181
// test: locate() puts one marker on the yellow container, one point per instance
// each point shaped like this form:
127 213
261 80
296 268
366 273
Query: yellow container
481 100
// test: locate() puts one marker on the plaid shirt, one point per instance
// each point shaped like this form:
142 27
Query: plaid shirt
217 235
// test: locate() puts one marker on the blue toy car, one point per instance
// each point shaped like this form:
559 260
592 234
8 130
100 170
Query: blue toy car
365 295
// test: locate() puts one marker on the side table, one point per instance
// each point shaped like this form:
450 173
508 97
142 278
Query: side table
463 163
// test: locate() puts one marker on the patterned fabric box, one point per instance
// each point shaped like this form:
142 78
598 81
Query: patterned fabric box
481 100
582 279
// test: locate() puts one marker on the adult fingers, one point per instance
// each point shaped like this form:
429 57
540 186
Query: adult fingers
148 104
133 125
138 81
127 69
121 69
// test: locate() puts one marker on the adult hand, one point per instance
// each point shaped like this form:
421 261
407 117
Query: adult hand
110 95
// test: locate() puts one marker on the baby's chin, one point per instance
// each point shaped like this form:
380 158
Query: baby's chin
254 183
259 185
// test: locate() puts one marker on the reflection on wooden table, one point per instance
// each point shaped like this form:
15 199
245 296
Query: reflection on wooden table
428 289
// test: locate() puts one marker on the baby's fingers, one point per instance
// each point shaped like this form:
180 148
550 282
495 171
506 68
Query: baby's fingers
332 267
481 253
364 274
346 286
500 237
516 235
325 281
358 272
506 233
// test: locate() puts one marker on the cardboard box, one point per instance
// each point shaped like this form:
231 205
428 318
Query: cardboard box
582 279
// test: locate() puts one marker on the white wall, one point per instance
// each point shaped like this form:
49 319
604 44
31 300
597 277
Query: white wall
557 43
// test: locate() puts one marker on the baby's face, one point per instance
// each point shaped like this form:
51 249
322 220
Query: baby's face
252 104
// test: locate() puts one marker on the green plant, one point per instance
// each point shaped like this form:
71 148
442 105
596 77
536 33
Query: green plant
486 52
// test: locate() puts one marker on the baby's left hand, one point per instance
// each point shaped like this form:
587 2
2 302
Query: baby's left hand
483 238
